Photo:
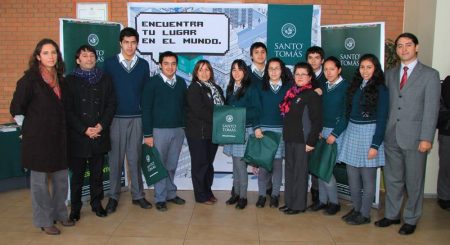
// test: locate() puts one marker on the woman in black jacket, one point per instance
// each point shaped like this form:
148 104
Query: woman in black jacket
302 110
90 104
37 107
203 93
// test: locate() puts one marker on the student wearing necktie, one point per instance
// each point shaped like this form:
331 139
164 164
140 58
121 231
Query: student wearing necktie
414 92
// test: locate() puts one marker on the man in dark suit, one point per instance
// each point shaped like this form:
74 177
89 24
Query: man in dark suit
414 91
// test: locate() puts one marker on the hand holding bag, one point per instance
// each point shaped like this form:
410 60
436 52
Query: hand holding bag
152 166
322 160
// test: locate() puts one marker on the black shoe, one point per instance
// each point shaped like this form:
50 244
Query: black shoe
142 203
161 206
292 211
407 229
284 208
350 215
385 222
233 200
332 209
99 211
444 204
269 192
74 215
357 220
177 200
261 202
318 206
111 206
274 201
242 203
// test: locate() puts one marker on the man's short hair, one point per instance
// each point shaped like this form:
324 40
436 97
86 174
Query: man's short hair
407 35
257 45
167 54
86 48
128 32
315 50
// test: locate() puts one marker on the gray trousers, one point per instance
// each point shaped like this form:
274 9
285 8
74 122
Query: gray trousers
48 207
126 140
240 177
168 142
362 178
328 191
443 185
404 171
276 175
296 176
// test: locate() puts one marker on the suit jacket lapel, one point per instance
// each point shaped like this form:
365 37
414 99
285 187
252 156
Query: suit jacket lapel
396 80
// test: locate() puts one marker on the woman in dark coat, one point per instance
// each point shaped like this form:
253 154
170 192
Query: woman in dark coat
37 107
203 93
90 104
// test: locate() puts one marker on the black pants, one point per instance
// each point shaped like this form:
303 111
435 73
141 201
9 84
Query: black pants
202 153
78 167
296 176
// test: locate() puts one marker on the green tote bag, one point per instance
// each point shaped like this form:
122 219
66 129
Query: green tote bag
322 160
261 152
228 125
152 166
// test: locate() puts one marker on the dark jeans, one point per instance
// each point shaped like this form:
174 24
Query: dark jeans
202 153
78 167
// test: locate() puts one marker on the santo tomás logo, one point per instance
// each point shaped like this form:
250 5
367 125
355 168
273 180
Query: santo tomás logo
93 39
229 118
288 30
349 43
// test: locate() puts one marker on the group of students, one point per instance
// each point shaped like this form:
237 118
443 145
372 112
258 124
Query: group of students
74 121
313 102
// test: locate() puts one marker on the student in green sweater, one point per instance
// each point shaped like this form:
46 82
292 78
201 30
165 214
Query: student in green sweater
163 105
334 122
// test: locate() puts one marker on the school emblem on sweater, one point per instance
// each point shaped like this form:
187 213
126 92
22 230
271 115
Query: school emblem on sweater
93 39
229 118
349 43
288 30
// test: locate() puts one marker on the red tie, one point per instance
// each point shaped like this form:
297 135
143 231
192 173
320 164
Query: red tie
404 77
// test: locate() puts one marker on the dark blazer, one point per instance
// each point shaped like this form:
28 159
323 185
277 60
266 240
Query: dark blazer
444 111
308 102
413 111
86 105
44 126
199 110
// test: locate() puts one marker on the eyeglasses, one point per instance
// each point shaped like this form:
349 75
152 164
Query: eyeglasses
301 75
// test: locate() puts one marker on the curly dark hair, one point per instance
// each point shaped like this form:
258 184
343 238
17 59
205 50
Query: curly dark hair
245 83
33 64
370 93
286 78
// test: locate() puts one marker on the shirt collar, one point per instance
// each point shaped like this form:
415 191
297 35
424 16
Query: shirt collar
166 79
317 73
122 59
339 80
254 68
410 66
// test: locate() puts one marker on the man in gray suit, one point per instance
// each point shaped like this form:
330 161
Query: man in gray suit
414 91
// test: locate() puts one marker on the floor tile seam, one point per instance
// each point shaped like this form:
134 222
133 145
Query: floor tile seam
189 224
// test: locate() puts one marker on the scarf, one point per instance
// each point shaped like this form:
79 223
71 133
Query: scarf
217 99
290 95
92 76
51 78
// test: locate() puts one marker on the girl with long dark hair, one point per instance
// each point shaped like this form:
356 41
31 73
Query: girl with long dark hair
362 145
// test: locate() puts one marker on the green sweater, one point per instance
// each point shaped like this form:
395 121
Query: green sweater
334 107
163 105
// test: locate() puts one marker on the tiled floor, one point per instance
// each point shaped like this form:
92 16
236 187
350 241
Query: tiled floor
219 224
